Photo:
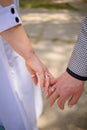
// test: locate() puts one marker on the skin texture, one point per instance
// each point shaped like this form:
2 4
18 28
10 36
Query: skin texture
65 87
62 88
5 2
19 41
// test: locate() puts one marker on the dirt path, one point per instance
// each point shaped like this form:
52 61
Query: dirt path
53 34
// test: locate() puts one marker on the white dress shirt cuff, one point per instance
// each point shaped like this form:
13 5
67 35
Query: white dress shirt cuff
9 17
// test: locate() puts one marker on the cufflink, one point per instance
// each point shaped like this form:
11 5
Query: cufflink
12 10
9 17
17 19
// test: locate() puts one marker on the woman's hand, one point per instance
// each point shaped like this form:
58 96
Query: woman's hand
19 41
39 71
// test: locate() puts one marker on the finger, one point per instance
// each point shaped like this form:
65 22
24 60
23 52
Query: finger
35 78
52 80
61 102
50 91
46 84
53 98
33 74
47 81
41 79
74 100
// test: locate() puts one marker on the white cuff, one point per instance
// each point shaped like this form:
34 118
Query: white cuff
9 17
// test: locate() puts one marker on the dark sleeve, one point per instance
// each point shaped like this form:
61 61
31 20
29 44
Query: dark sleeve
77 66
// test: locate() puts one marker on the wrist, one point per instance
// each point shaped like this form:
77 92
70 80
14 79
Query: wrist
5 2
29 55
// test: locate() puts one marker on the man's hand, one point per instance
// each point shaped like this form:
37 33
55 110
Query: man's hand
66 87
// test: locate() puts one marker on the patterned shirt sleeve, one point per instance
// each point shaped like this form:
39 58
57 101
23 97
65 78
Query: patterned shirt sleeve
77 66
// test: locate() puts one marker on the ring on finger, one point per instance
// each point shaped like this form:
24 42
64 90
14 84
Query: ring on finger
47 75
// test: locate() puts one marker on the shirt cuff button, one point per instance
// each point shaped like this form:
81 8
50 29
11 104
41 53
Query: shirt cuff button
17 19
12 10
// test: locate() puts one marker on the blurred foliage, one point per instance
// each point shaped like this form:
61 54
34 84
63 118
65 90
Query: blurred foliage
45 4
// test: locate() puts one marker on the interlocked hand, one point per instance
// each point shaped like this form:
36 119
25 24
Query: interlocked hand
65 87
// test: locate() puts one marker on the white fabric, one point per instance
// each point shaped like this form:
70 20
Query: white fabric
8 19
17 92
20 101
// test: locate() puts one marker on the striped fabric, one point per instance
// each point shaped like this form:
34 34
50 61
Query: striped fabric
77 66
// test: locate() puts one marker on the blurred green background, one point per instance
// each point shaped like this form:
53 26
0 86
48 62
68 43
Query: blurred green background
46 4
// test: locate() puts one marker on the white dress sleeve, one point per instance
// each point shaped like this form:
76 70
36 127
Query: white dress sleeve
9 17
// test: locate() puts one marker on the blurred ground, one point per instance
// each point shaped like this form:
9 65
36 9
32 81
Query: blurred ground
53 34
